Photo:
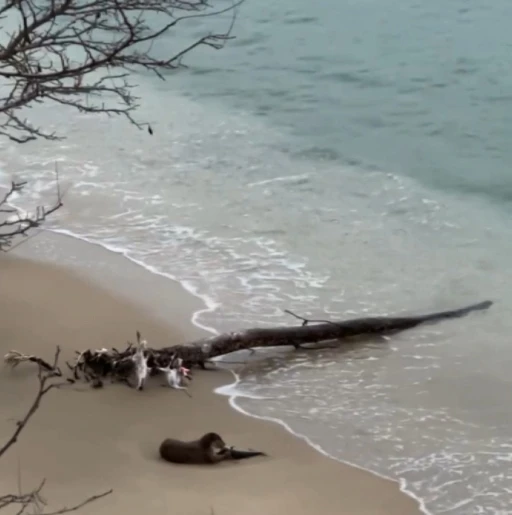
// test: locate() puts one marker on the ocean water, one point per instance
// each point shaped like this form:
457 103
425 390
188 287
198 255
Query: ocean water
338 159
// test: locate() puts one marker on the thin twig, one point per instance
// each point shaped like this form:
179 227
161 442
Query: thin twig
307 321
80 505
14 224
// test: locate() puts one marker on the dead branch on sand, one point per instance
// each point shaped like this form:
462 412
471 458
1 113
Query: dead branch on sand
97 365
45 373
33 500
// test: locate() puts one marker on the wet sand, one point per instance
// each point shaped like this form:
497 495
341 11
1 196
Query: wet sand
85 441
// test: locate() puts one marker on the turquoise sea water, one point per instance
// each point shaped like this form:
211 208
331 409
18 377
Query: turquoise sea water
337 158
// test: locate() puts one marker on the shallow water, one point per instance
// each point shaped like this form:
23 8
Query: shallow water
345 158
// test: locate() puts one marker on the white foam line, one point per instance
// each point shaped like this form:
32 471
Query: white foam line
210 304
279 179
229 390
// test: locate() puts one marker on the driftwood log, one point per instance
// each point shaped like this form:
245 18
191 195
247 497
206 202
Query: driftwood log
311 331
96 365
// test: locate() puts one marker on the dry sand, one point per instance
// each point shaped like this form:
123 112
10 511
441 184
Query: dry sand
84 441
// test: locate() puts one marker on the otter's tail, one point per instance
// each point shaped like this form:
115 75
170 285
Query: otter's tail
242 455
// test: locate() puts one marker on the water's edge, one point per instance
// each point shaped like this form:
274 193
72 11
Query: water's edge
230 390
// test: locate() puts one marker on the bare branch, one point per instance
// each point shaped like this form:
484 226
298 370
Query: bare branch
35 499
80 505
306 321
47 372
14 223
80 54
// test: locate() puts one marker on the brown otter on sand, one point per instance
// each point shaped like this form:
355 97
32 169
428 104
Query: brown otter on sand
210 448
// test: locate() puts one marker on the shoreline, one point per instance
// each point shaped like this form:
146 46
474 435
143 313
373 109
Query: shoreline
223 390
365 480
401 483
208 303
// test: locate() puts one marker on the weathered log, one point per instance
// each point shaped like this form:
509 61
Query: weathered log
199 352
95 365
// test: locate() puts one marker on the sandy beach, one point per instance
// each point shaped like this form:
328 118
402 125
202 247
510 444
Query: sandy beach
85 441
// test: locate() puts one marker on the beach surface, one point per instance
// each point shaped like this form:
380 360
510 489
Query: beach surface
85 441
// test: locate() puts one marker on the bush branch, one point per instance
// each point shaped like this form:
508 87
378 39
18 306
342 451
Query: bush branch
14 222
80 54
47 372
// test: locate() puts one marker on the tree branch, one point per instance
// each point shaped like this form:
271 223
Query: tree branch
14 223
306 321
46 374
67 52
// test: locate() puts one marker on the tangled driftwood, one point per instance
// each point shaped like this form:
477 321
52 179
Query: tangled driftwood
97 365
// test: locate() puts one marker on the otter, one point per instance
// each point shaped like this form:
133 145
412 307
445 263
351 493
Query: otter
210 448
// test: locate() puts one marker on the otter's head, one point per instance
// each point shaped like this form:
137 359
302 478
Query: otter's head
212 441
